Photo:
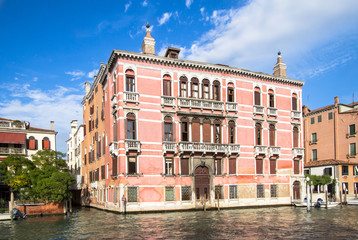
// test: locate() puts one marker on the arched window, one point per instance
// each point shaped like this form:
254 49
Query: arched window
130 81
216 90
271 98
294 102
195 130
217 131
295 137
231 132
184 130
230 92
207 131
45 143
194 88
167 89
168 129
131 126
32 143
257 96
206 89
258 134
272 131
183 87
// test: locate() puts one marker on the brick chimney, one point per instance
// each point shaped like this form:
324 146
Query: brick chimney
87 87
336 101
52 125
279 70
148 44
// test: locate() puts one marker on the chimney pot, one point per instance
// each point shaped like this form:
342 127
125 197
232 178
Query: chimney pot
52 125
336 101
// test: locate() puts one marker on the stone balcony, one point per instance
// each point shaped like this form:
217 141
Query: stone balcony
131 97
170 147
233 149
200 104
260 150
295 114
168 101
113 148
132 145
258 110
12 124
272 112
231 107
274 151
298 152
205 148
12 150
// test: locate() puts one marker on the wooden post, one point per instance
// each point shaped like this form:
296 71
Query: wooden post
340 197
345 196
205 202
11 203
70 205
326 199
218 202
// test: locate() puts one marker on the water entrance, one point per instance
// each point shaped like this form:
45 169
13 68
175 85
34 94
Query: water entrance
202 182
296 190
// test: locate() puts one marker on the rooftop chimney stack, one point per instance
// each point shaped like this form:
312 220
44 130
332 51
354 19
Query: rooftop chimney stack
87 87
73 126
52 125
279 70
336 101
148 44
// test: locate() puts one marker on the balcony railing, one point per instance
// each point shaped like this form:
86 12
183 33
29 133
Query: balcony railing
132 145
201 103
131 97
12 150
168 101
295 114
113 148
272 111
260 150
298 152
258 110
274 151
209 147
230 106
233 149
12 124
169 147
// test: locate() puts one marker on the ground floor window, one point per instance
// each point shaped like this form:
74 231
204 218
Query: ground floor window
355 188
169 166
217 167
132 194
219 191
345 187
132 165
184 166
169 193
273 190
185 193
260 191
233 191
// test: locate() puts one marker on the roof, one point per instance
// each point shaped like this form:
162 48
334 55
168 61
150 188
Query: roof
40 129
319 110
326 163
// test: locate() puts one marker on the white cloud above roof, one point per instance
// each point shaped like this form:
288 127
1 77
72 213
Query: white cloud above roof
165 18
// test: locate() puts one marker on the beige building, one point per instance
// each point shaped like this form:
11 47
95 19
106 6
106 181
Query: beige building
330 140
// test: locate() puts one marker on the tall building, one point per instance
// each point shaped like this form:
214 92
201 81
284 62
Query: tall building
165 133
18 137
331 144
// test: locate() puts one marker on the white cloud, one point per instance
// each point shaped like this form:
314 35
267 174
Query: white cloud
249 37
165 18
39 107
16 78
127 6
92 73
144 3
188 3
76 75
35 79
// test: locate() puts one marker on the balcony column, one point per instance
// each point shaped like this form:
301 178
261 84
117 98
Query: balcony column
212 132
189 130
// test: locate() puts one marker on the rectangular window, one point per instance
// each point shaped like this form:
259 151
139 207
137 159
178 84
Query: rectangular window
314 155
327 171
184 131
114 166
314 138
168 132
355 170
132 165
184 165
319 118
217 166
169 166
183 89
103 172
219 191
130 84
257 98
260 191
230 94
272 100
312 120
186 193
272 166
131 134
345 188
206 91
259 167
195 90
273 190
166 88
233 191
169 193
132 194
330 116
352 129
344 170
232 166
296 166
352 149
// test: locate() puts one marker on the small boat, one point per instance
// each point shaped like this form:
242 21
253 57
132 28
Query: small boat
352 202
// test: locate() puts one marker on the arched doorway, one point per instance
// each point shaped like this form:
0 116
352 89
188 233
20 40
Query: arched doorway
296 190
202 182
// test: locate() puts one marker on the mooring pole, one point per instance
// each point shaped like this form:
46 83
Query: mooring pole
326 199
340 197
205 202
308 194
218 195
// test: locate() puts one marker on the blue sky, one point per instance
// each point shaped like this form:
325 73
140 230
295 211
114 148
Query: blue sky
50 48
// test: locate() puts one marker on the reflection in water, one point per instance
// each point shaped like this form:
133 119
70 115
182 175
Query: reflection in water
253 223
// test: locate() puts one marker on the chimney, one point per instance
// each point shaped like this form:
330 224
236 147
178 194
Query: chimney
279 70
336 101
148 44
305 110
52 125
172 53
73 126
87 87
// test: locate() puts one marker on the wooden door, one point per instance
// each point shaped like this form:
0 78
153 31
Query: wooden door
202 182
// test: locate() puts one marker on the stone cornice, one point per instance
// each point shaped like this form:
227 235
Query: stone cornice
197 65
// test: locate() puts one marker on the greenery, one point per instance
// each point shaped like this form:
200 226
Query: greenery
319 180
44 178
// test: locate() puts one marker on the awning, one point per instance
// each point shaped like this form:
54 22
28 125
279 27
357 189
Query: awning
14 138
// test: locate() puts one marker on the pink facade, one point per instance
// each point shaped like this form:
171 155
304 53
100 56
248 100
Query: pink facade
180 133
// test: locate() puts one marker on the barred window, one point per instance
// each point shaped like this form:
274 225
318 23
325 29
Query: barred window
132 194
169 193
260 191
219 190
273 190
185 193
233 191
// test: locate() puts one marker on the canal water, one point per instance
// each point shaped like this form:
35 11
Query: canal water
252 223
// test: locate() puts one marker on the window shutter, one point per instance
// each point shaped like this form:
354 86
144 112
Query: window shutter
163 130
27 143
259 166
295 137
219 166
207 132
184 166
36 144
195 129
296 167
272 135
272 166
257 98
232 166
294 103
